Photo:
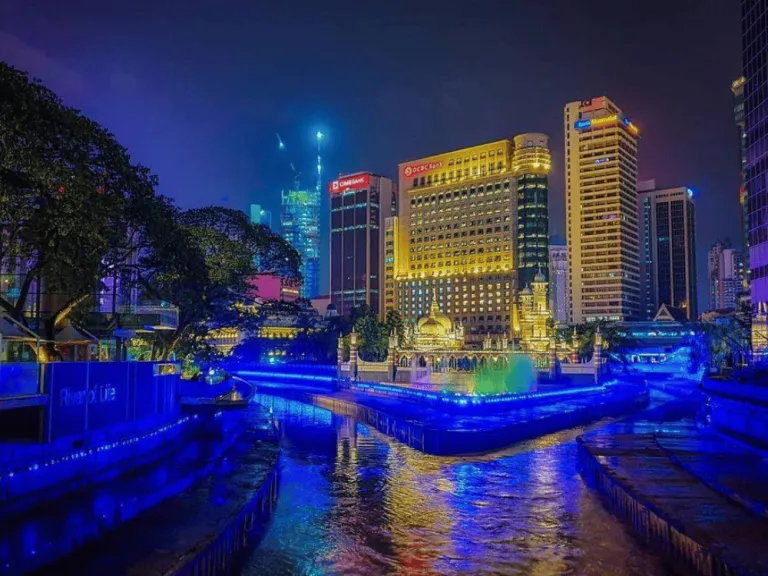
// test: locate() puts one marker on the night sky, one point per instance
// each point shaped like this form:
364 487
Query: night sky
197 90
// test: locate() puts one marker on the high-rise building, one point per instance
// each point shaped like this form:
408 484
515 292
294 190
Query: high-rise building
360 203
300 219
737 87
261 216
558 282
601 211
531 163
454 236
667 223
725 269
754 43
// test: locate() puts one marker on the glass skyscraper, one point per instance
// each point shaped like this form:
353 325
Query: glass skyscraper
755 60
531 162
667 224
300 219
359 205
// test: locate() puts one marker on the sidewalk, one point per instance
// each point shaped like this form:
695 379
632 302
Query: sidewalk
699 497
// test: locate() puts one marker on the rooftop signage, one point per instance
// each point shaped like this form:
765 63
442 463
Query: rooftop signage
416 169
349 183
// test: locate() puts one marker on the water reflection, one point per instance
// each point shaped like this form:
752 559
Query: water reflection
355 502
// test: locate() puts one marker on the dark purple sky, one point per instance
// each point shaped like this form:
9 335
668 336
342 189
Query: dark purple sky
196 90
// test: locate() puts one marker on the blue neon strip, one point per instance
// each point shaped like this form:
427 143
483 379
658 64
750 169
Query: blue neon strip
582 124
282 375
464 400
76 455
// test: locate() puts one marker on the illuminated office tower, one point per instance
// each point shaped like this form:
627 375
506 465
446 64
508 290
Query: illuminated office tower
737 87
754 42
261 216
359 205
667 224
601 211
531 163
300 220
454 236
558 283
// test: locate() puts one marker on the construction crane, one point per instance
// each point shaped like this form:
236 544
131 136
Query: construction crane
296 173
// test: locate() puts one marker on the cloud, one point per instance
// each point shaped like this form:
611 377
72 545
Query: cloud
56 76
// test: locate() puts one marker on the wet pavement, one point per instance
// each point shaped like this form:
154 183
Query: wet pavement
696 482
353 501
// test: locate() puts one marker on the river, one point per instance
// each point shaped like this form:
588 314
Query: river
353 501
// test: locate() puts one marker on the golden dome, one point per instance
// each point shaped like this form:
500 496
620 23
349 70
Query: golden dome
437 323
431 327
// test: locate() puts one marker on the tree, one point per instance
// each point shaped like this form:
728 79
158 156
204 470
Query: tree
394 323
204 267
373 334
73 208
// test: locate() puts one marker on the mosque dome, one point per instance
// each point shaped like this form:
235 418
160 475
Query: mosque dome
539 277
437 323
526 291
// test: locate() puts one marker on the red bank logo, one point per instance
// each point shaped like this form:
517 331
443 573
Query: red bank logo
351 183
416 169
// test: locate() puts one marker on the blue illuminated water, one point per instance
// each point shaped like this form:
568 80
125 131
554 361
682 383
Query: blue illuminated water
355 502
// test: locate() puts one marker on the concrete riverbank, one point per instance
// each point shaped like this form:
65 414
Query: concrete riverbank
201 529
696 496
434 431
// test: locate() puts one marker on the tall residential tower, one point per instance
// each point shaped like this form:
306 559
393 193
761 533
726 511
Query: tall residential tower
601 211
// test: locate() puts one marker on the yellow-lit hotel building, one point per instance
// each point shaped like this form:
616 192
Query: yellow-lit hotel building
455 234
601 212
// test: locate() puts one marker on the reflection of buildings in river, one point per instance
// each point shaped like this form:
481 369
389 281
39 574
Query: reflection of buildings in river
417 495
346 463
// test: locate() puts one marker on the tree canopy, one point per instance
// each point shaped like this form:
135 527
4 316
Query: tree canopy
75 210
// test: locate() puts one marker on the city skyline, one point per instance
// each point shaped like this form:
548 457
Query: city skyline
216 141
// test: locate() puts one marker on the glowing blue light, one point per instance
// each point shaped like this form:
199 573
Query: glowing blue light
689 192
582 124
625 121
319 135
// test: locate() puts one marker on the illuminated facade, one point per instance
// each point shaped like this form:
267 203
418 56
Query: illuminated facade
667 224
360 203
601 211
531 163
737 87
435 331
458 233
532 316
558 283
454 236
300 219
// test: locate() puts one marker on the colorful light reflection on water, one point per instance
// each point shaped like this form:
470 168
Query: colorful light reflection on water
356 502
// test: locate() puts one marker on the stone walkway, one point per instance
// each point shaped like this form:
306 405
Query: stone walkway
698 496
